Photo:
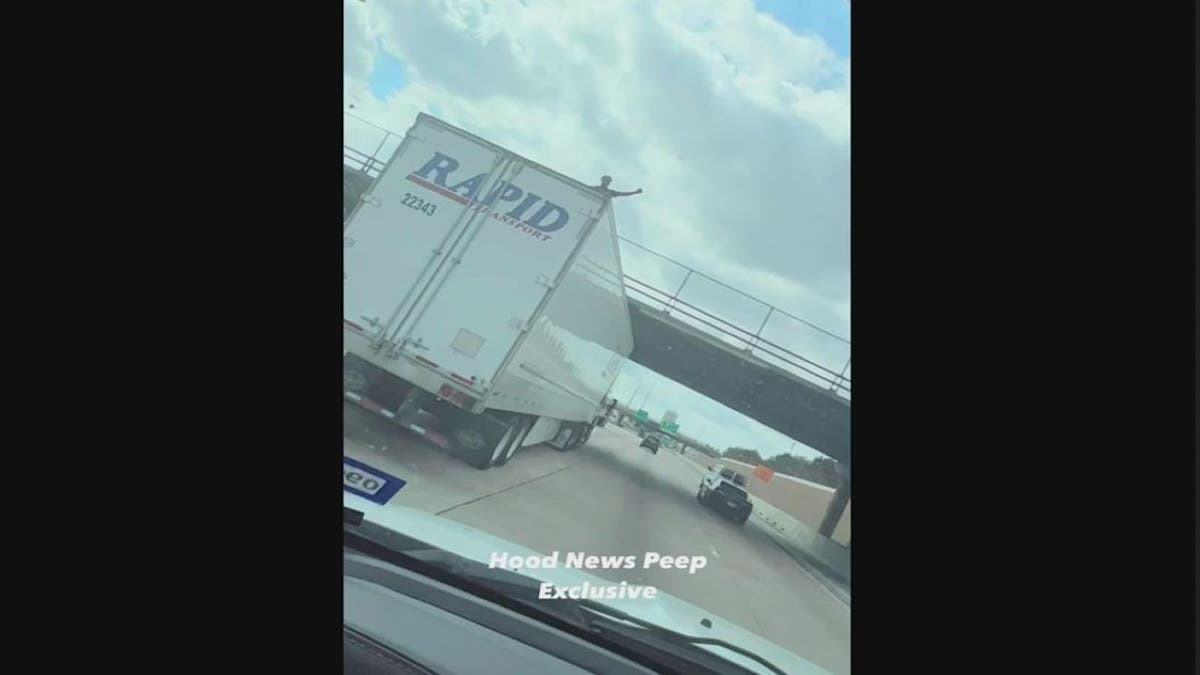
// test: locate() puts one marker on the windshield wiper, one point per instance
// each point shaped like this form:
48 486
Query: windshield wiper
674 636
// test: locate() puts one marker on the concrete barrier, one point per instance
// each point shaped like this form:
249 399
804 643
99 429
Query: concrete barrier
799 539
803 500
803 542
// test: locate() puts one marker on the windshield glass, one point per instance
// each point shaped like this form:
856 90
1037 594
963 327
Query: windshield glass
731 490
592 253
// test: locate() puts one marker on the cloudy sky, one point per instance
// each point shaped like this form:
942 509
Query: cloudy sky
732 115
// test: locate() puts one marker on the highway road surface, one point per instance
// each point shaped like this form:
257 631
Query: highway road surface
612 497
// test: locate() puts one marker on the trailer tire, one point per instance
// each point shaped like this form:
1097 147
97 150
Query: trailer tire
576 436
476 438
356 375
502 446
470 445
570 431
523 425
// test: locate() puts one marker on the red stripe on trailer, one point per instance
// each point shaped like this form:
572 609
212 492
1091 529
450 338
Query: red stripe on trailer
426 361
353 325
477 204
438 189
460 378
437 439
370 405
429 435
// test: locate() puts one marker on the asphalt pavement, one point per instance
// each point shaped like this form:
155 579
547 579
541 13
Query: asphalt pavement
612 497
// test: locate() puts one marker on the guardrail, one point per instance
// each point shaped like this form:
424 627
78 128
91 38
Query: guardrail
754 342
373 163
749 342
829 376
799 540
360 161
835 380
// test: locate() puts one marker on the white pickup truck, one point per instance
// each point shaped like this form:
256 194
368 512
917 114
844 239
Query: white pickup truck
724 490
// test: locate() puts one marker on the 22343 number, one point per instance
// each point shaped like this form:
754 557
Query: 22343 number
414 202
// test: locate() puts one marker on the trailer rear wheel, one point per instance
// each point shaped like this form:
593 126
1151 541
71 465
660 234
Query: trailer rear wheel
472 445
522 425
357 375
576 438
502 446
568 430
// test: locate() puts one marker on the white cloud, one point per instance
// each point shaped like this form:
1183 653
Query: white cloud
358 52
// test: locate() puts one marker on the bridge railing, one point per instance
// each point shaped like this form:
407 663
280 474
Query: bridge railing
358 135
730 327
752 343
721 312
362 162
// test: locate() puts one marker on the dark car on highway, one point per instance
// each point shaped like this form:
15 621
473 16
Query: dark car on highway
650 442
721 489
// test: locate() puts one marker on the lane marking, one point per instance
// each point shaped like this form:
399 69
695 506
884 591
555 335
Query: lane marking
714 551
510 487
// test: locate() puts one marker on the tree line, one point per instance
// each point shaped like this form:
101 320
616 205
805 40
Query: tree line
821 470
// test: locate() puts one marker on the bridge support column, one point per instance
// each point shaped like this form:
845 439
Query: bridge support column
837 505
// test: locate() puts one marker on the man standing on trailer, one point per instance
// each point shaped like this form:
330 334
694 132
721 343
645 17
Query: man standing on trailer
609 192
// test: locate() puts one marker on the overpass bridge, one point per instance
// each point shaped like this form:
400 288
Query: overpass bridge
788 393
728 363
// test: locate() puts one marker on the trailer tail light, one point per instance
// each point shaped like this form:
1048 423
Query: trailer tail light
456 397
470 382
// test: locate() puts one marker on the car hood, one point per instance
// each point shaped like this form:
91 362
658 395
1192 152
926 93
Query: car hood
664 610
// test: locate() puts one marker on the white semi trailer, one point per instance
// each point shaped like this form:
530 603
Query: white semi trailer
485 289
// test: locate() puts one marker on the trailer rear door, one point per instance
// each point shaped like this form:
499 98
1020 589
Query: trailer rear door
520 237
397 238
